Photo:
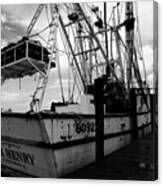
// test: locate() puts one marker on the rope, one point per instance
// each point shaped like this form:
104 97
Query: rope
46 8
44 29
60 79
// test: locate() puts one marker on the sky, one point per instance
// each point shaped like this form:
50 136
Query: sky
14 22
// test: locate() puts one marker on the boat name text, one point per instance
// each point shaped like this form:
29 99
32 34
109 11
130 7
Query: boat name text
17 156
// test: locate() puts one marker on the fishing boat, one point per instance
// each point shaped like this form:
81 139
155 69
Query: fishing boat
59 140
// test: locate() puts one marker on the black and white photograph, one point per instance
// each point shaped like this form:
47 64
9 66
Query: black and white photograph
79 90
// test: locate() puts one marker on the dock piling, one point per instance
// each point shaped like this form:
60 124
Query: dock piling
99 117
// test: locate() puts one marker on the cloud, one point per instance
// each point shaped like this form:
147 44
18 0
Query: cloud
15 101
11 28
149 63
3 43
6 96
13 97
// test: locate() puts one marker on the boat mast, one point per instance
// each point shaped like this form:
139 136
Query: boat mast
34 19
129 40
105 23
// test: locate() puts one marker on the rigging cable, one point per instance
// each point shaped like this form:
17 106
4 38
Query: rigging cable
69 85
44 29
47 15
75 49
60 78
53 34
140 41
75 74
75 79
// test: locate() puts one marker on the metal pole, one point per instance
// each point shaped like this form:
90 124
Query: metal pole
98 43
105 23
72 51
129 43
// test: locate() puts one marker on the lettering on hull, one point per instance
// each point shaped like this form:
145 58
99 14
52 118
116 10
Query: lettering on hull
16 156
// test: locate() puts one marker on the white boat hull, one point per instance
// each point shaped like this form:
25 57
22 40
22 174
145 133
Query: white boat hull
53 145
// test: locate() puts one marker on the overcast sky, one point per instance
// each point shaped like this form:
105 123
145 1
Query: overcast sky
14 22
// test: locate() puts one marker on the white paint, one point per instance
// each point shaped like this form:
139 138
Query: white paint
21 128
113 144
73 158
83 107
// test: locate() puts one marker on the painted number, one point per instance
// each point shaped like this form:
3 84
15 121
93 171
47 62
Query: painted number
84 127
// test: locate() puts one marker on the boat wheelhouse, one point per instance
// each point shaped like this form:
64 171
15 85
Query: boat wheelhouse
26 57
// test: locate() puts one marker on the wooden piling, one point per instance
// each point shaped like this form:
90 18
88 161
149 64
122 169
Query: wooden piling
99 117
